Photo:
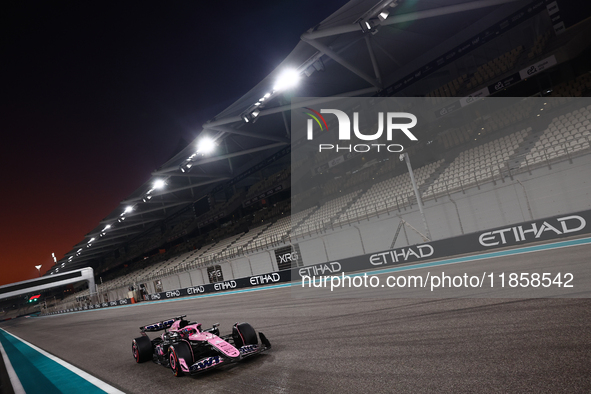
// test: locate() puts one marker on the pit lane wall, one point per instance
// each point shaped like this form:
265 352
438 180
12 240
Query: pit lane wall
546 229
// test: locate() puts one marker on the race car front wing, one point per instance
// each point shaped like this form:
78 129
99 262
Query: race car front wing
208 363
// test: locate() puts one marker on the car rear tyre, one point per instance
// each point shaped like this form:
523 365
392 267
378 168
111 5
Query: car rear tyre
244 334
179 351
141 348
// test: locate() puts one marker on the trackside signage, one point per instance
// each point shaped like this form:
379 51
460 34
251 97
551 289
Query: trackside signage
240 283
535 231
214 273
546 229
288 257
515 235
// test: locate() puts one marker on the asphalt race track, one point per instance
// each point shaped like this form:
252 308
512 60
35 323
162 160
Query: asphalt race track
349 345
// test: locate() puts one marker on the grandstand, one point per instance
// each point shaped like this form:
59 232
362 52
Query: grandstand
474 164
566 135
477 164
241 203
386 196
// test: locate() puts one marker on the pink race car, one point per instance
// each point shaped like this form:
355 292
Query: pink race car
187 349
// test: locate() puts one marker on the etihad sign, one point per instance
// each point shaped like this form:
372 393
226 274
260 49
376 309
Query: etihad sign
559 226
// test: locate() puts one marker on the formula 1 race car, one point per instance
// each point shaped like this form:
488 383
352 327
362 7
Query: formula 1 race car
187 349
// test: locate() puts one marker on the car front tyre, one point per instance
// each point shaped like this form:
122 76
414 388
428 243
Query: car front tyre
173 362
244 334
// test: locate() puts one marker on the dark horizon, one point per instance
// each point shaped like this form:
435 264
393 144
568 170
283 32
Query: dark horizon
98 96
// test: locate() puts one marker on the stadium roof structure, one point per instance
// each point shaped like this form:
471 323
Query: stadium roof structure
360 50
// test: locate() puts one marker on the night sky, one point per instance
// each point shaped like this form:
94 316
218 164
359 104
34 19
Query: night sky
96 96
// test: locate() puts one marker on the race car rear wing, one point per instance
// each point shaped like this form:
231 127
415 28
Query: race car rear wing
161 325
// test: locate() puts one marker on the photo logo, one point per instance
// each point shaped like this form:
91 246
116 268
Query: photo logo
317 121
386 121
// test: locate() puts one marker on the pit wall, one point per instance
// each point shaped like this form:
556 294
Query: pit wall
561 189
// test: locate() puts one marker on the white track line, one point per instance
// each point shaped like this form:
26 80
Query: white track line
84 375
17 387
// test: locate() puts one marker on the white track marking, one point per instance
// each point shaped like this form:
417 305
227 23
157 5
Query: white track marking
84 375
17 387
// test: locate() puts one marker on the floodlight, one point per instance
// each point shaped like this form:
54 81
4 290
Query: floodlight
250 115
185 167
206 145
128 209
159 184
287 79
369 26
383 15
